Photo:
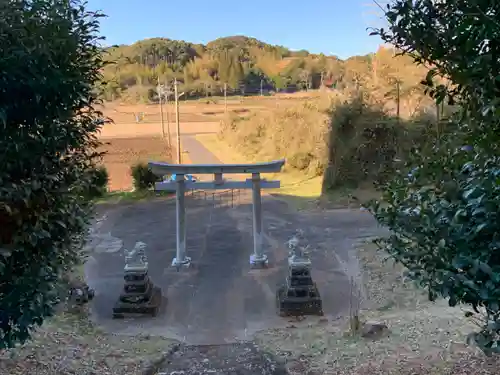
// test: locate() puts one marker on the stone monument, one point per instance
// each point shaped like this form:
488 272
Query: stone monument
139 296
299 295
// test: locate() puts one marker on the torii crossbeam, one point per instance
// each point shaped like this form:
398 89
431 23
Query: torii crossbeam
258 258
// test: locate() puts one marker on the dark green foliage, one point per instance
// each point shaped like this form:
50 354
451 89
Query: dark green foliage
364 141
99 182
142 176
49 66
230 70
443 205
151 52
244 44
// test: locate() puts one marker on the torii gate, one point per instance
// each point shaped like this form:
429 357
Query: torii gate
258 258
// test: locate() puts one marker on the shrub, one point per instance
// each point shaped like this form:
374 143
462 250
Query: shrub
100 178
142 176
443 206
48 142
300 160
347 139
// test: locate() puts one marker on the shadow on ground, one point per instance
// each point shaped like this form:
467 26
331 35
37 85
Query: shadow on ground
220 299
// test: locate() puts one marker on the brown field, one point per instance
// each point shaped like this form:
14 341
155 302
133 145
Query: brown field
202 110
128 142
122 153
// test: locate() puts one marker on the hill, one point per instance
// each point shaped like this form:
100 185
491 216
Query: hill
244 65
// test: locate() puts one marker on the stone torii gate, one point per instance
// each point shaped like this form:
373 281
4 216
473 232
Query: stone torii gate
256 183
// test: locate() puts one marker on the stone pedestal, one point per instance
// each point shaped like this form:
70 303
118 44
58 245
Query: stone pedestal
299 295
139 296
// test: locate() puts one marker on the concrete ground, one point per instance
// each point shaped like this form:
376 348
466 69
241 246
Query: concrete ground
220 299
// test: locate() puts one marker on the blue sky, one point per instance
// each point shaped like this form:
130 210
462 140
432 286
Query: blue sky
328 26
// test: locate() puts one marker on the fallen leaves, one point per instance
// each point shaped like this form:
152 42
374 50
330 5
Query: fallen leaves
71 344
426 338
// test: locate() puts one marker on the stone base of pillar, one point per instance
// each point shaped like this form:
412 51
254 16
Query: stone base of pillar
138 298
259 261
288 304
123 309
186 263
299 295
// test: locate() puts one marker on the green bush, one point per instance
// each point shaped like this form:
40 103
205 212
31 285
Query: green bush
50 65
350 140
100 179
142 176
442 207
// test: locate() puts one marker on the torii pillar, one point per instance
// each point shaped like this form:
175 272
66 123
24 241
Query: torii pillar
258 257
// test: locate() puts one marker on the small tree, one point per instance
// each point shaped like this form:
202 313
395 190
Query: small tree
143 177
99 182
49 67
280 82
443 206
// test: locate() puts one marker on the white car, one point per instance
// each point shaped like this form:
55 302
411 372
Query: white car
171 178
187 177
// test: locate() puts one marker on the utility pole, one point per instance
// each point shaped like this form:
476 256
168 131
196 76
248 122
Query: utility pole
398 99
225 98
167 90
177 122
261 83
160 94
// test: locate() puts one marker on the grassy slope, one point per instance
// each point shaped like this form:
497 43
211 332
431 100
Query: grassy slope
298 190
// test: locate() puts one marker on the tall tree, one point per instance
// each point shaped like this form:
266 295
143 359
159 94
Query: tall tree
443 208
224 66
236 74
49 66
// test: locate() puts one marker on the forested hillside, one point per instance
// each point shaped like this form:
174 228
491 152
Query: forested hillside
246 66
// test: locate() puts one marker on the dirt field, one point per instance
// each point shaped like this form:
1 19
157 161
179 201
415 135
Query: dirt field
203 110
122 153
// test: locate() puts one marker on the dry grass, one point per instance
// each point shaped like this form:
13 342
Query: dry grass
70 344
425 337
297 189
202 110
293 185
